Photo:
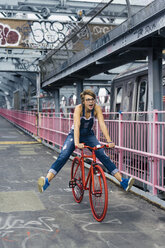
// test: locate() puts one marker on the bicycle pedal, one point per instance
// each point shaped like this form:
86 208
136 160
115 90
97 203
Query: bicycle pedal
72 183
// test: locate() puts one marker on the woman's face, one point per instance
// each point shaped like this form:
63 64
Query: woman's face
89 102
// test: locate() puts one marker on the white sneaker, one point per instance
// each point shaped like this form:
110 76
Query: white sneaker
43 183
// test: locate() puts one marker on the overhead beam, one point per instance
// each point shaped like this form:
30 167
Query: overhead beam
2 93
146 23
5 87
18 65
44 10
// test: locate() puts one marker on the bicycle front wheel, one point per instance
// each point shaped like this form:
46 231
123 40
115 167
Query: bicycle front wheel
98 193
76 177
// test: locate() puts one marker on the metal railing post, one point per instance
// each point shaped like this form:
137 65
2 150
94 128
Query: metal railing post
61 130
120 141
97 130
155 146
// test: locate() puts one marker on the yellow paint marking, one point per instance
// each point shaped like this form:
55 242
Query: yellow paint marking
27 152
18 142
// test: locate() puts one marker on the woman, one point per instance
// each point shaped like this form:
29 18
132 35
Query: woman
80 133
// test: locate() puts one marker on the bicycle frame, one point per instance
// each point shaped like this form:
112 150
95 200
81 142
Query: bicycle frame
90 172
95 182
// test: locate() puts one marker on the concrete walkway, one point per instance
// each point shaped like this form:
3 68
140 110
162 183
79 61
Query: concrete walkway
29 219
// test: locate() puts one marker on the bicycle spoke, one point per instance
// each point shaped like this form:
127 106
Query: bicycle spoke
98 194
76 176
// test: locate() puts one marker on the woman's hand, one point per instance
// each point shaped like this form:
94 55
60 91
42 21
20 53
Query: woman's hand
80 145
111 145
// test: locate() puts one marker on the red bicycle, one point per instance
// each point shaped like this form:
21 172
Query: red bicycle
95 182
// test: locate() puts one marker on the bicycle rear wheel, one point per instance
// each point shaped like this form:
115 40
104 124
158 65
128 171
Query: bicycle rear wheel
98 198
76 177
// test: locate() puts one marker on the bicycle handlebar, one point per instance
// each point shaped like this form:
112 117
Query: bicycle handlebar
96 147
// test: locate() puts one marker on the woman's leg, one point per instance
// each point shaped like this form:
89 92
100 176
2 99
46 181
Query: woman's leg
50 176
67 149
118 176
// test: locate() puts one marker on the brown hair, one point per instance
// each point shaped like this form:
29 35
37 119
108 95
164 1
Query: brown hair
87 92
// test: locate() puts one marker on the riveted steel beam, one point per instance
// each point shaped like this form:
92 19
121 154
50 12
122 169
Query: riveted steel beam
145 27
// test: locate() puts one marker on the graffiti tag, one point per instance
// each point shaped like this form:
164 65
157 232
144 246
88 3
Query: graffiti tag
8 36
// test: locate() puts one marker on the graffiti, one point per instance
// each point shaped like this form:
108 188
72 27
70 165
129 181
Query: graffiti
100 42
101 30
145 30
8 36
34 45
25 65
24 30
50 35
74 27
41 227
48 32
124 40
41 224
150 28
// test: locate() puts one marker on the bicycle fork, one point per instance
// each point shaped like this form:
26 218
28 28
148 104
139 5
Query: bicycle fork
96 182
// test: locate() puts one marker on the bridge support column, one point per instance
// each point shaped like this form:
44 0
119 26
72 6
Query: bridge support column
155 87
57 100
38 83
155 102
79 89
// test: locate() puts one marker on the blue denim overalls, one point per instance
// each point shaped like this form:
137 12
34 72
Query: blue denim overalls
86 136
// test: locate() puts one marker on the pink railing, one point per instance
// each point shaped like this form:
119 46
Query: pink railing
139 139
140 146
54 129
25 119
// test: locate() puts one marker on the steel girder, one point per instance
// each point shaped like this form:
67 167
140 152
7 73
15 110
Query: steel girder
66 7
129 41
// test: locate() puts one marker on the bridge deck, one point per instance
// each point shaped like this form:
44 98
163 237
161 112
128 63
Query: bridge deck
53 219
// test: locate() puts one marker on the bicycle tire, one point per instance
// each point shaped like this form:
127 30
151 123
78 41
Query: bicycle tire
99 198
76 176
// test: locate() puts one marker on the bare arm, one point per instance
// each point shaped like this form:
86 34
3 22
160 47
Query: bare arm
102 125
77 115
